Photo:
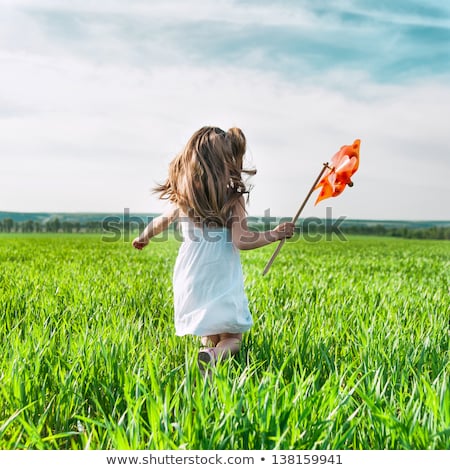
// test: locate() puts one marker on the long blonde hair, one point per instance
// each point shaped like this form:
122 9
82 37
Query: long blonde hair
205 179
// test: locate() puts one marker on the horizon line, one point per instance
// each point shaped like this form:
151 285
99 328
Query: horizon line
249 216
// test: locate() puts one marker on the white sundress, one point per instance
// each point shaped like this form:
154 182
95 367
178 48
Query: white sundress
208 283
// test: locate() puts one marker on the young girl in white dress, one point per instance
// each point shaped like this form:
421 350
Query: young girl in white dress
206 189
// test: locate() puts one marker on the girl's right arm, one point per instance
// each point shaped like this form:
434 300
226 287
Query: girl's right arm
155 227
245 239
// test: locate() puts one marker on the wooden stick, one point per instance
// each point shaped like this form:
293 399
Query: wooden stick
294 219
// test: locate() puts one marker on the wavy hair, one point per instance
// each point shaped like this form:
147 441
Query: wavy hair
205 179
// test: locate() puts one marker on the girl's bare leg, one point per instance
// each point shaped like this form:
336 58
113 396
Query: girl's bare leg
229 344
220 346
210 341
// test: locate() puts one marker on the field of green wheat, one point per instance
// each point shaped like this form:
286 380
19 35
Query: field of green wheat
349 350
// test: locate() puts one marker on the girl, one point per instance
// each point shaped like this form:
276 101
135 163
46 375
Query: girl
206 189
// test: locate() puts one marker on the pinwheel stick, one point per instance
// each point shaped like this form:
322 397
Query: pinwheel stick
296 216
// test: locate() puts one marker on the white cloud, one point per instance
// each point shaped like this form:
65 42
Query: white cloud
242 13
122 125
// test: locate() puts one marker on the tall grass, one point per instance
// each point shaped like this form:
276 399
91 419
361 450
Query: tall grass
350 349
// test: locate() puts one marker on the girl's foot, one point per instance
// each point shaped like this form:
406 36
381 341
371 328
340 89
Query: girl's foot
206 359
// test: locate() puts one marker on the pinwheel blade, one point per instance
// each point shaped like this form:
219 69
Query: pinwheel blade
343 166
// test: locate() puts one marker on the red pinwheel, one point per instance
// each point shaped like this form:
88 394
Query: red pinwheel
343 165
332 179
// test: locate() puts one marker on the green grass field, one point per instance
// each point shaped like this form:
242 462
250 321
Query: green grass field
350 349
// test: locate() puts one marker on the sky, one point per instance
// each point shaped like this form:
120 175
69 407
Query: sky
96 98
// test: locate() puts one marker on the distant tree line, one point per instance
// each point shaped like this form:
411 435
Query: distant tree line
316 226
426 233
55 225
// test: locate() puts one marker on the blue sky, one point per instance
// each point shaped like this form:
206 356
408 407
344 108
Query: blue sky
97 97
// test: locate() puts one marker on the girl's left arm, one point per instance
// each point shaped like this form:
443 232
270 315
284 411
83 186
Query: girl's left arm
245 239
155 227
